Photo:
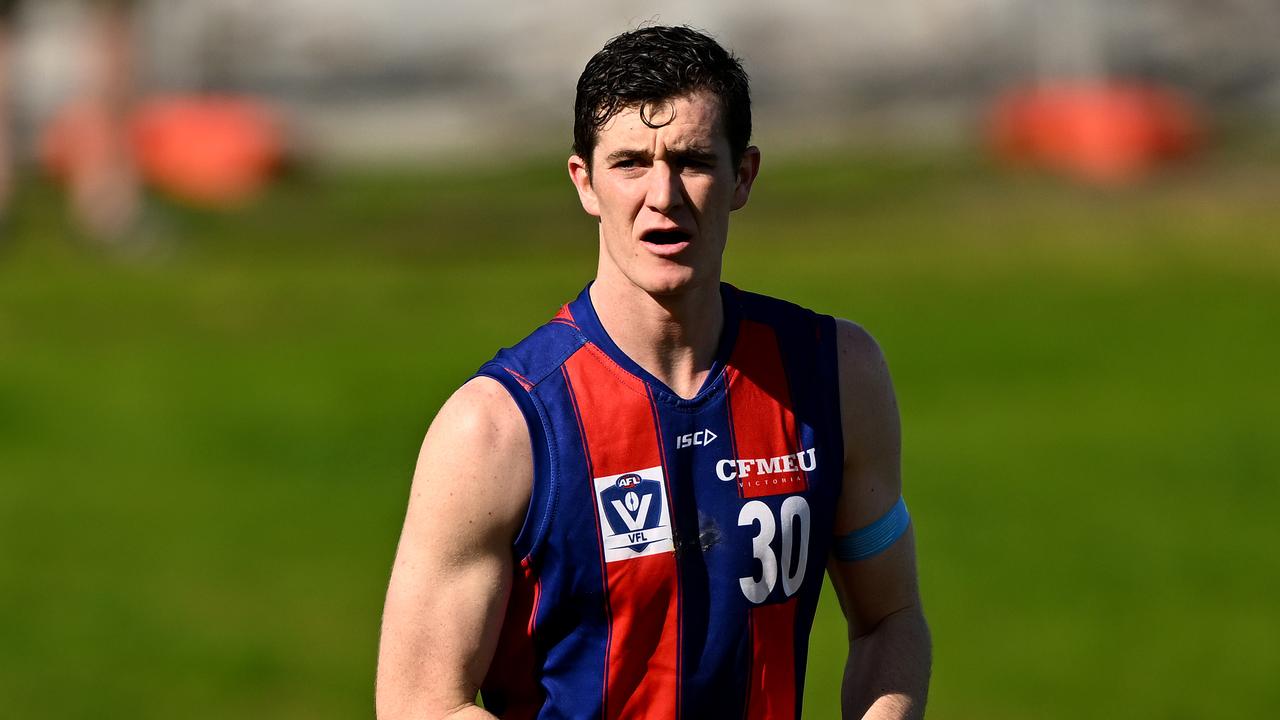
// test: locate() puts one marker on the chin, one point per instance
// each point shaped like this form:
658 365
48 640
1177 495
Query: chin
668 281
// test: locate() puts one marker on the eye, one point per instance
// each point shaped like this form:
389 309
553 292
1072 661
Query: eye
629 164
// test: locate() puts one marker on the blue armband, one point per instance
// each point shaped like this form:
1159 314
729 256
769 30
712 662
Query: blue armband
875 538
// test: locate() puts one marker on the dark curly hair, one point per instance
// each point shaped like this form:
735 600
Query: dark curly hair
652 64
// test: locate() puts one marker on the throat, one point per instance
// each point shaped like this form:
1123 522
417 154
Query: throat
684 379
674 339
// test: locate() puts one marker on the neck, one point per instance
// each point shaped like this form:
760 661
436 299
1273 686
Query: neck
673 337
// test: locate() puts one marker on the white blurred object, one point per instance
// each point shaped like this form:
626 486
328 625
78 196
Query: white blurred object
408 79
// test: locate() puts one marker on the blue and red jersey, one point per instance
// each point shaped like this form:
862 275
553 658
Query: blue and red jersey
674 549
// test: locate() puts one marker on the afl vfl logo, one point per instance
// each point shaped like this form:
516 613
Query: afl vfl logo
633 514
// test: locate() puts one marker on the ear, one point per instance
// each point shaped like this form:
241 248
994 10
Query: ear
748 168
580 174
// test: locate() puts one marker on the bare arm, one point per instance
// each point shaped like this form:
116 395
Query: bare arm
887 674
453 567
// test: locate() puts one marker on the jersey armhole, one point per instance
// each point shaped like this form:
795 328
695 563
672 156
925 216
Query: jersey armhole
541 495
829 370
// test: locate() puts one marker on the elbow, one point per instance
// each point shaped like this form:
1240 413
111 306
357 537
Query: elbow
409 711
396 701
908 618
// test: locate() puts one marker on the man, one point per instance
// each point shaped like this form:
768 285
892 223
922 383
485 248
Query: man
626 515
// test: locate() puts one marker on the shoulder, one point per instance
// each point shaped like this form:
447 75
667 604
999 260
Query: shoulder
860 358
476 459
772 310
868 406
538 355
480 413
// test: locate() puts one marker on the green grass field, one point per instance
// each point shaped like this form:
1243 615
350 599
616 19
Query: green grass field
205 453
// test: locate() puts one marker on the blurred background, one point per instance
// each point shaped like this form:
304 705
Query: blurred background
249 248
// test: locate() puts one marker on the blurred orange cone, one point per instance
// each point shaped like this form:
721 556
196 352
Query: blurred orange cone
215 152
1105 133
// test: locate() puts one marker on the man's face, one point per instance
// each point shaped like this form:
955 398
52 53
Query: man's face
663 194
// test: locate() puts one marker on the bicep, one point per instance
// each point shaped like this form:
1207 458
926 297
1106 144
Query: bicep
878 586
453 566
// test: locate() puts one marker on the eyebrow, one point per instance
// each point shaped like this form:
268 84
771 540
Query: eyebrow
618 155
696 153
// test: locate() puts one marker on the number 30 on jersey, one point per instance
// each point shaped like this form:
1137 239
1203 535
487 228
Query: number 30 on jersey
793 516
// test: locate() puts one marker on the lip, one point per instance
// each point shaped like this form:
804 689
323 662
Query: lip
666 249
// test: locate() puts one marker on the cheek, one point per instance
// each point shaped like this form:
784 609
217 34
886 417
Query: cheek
618 203
711 192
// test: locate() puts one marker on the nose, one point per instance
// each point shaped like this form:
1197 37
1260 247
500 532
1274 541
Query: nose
665 191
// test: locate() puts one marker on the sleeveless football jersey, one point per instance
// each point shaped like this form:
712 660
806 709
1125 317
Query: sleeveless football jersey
674 549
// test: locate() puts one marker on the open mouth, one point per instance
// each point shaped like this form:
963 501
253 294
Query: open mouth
665 237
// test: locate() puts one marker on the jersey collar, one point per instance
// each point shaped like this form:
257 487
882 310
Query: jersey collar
584 313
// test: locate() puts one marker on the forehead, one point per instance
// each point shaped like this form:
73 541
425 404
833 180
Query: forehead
688 120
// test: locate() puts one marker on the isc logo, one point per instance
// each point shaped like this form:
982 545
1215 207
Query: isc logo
632 509
702 437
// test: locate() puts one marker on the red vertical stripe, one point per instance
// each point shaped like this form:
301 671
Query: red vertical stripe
773 662
513 674
621 437
764 427
764 437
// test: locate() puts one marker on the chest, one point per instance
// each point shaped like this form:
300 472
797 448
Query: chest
734 495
